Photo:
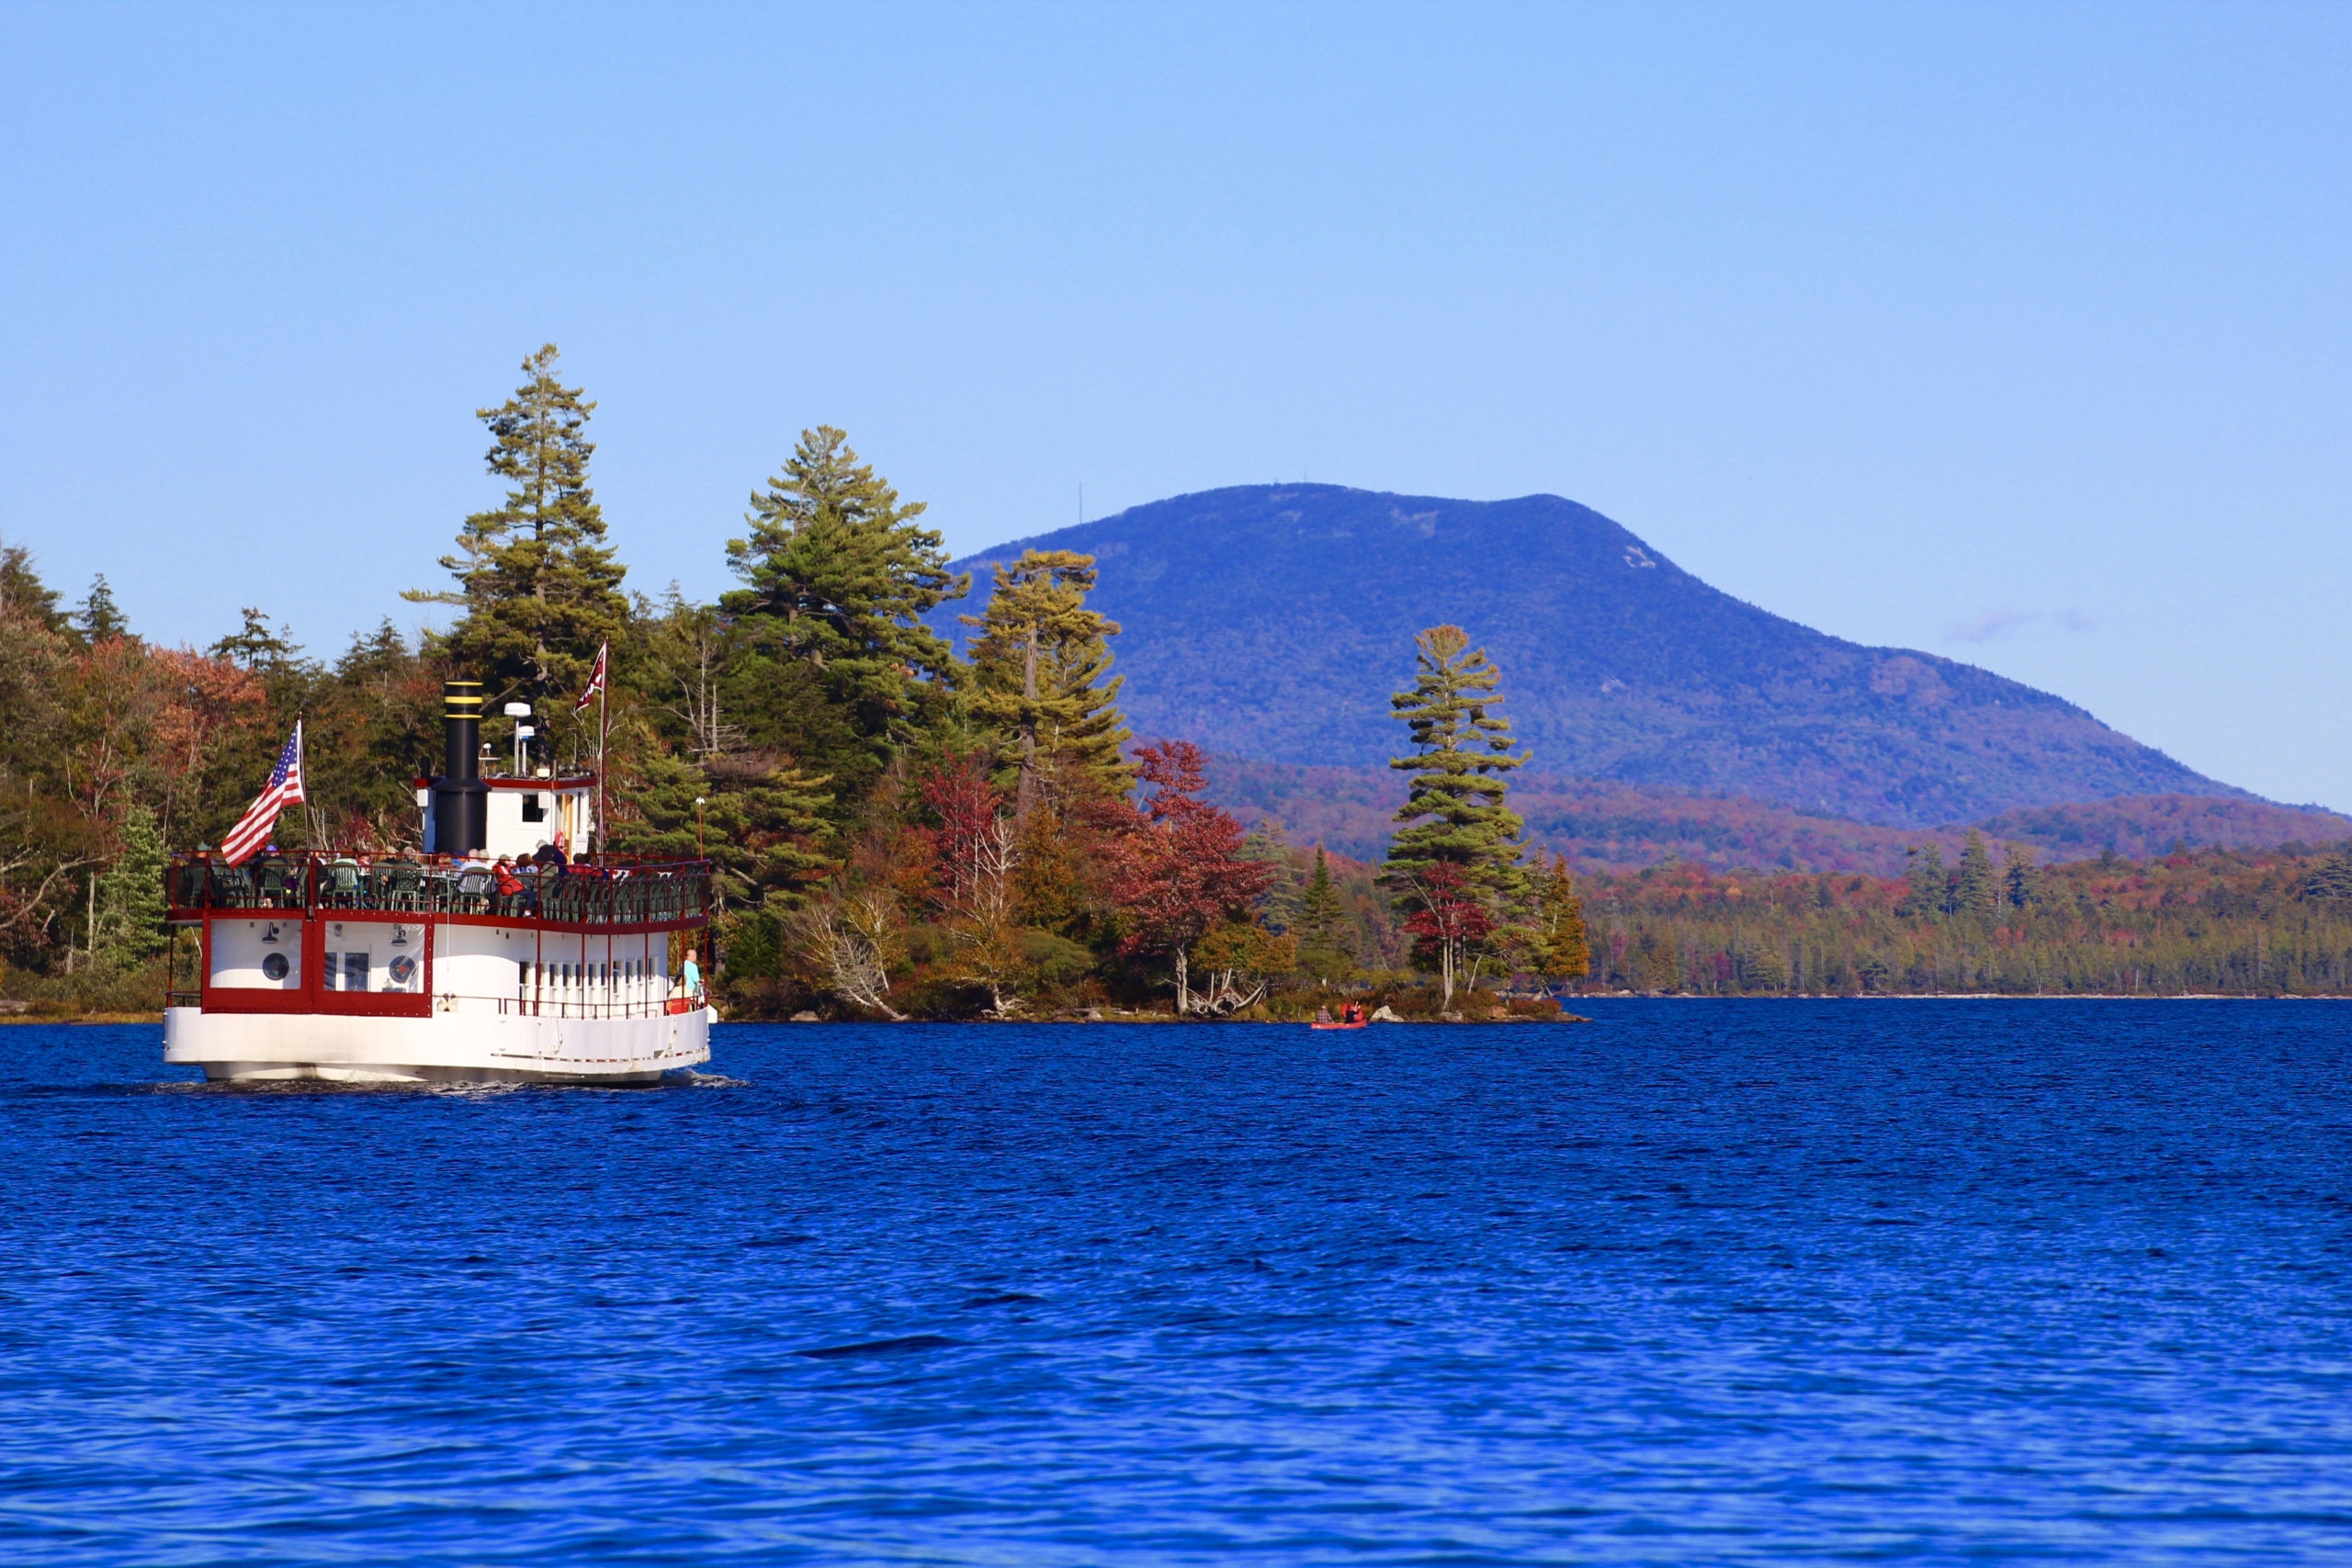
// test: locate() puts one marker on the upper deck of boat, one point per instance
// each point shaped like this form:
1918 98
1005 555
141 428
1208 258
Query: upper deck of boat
604 892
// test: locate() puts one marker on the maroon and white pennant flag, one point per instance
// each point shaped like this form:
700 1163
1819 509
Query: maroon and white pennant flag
595 679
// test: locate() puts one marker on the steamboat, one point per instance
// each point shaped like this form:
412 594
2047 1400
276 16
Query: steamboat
490 957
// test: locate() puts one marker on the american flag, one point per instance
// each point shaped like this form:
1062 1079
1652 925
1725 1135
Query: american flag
595 679
253 829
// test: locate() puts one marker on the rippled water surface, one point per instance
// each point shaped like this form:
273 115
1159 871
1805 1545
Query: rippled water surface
1698 1283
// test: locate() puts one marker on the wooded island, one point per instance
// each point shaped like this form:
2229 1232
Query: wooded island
898 832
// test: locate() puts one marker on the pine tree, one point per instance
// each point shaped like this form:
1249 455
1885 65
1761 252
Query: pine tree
839 577
762 834
1266 844
539 586
1454 812
25 599
2329 879
1924 872
1038 669
255 645
1558 948
2021 876
1979 892
1323 927
101 618
130 908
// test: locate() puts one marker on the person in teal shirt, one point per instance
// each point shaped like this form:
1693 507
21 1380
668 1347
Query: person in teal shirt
690 979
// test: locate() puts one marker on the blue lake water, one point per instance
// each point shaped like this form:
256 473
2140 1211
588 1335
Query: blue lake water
1700 1283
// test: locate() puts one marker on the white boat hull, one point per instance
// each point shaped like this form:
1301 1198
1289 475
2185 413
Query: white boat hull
442 1048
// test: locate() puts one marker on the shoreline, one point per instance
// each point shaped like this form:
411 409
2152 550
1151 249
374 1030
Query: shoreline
88 1019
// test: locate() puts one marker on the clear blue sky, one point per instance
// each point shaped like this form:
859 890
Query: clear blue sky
2014 333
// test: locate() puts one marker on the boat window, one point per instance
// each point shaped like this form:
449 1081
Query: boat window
354 971
535 808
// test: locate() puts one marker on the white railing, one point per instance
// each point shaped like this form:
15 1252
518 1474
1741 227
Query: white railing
553 1003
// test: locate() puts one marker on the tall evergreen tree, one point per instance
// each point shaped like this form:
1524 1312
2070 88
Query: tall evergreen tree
1454 812
255 644
130 898
761 831
539 586
1266 844
2021 878
1924 874
101 617
1038 669
1979 891
25 599
838 575
1322 927
1558 948
2329 879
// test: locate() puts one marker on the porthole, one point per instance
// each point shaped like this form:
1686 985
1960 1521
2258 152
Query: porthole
274 966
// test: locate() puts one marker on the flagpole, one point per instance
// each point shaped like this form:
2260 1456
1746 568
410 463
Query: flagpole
601 831
298 773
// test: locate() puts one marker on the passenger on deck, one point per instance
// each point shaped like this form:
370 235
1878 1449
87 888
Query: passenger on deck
512 894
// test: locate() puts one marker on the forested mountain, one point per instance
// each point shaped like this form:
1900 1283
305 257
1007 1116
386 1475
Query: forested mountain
1274 621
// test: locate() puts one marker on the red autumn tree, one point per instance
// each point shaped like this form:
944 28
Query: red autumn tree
974 840
1178 869
977 852
1447 919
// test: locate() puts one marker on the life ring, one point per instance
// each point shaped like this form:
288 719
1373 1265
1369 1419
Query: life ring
403 969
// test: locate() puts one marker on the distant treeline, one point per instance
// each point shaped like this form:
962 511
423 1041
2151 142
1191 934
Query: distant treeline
2235 922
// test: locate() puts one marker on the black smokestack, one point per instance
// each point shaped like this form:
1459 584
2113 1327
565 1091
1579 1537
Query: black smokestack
460 800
